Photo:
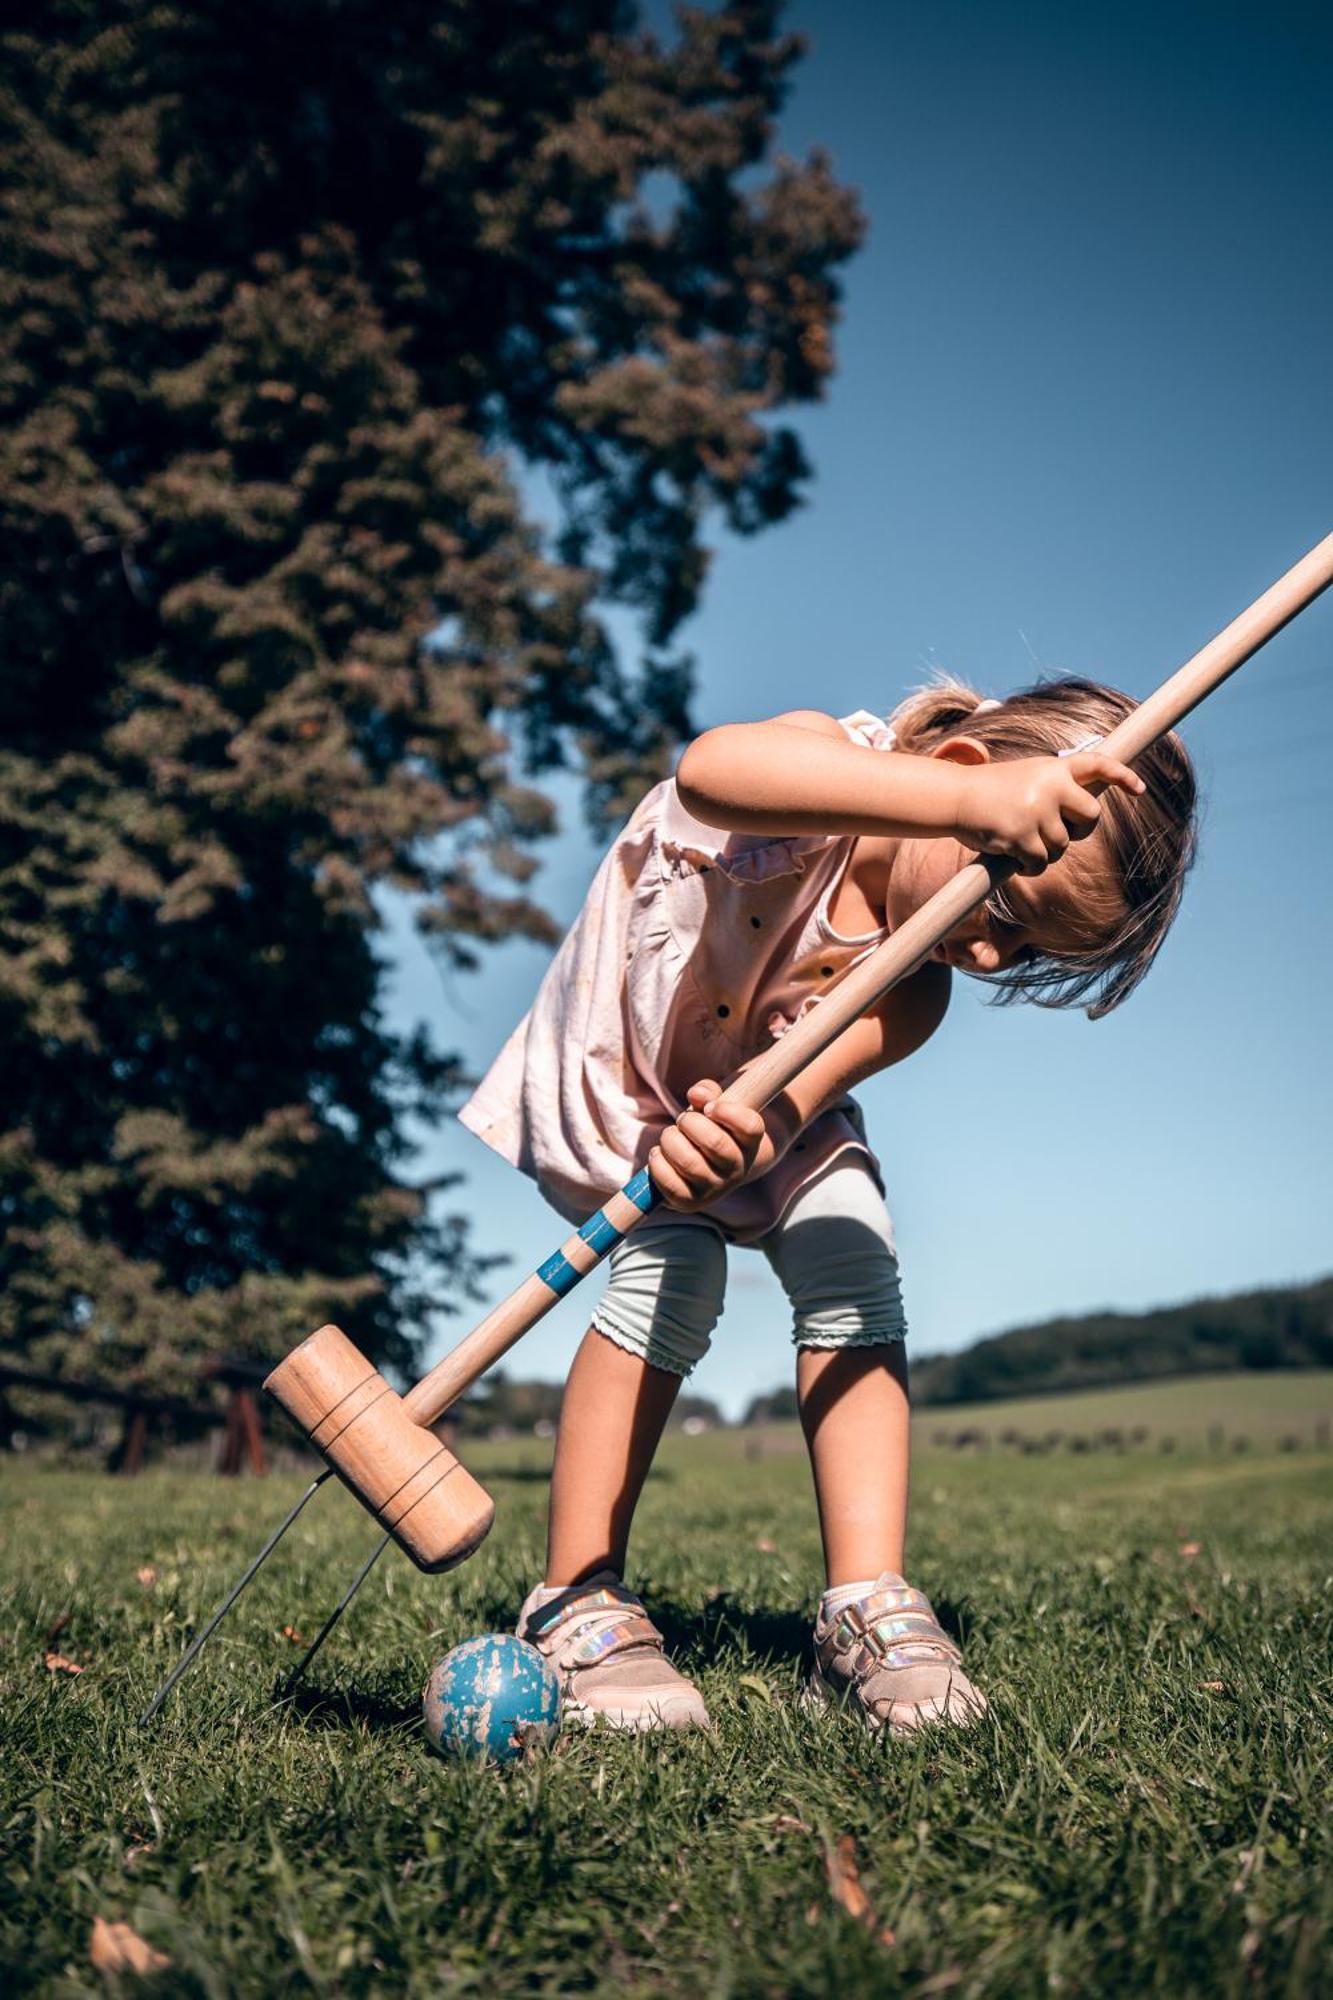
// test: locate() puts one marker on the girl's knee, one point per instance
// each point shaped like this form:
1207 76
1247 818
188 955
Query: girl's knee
859 1305
836 1259
664 1297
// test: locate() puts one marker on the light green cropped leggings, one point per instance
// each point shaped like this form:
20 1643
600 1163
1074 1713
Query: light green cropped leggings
833 1253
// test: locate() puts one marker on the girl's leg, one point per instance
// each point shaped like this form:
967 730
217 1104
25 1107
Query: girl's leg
652 1325
835 1257
878 1645
855 1415
612 1417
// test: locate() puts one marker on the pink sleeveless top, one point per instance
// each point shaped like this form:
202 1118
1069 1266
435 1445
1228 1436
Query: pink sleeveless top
694 950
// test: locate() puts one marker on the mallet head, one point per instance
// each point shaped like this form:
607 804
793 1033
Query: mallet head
412 1484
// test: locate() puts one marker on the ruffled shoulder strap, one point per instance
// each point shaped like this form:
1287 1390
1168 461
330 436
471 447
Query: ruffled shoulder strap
871 731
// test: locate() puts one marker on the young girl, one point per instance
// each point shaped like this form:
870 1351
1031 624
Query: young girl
781 854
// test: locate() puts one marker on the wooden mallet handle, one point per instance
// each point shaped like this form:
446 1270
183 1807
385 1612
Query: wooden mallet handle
860 988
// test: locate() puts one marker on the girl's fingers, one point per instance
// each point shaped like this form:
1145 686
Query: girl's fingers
683 1175
1055 835
707 1173
744 1125
714 1146
1109 770
738 1119
1080 812
667 1181
697 1158
689 1167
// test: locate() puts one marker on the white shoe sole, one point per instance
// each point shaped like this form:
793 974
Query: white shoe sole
678 1714
819 1693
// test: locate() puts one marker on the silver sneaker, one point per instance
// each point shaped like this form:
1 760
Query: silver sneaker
610 1658
887 1656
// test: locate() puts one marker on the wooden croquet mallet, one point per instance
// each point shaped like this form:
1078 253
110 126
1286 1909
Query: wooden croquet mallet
380 1443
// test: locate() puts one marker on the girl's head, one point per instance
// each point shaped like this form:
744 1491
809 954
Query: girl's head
1109 904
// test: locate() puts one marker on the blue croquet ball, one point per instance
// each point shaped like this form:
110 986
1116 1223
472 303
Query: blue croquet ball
491 1697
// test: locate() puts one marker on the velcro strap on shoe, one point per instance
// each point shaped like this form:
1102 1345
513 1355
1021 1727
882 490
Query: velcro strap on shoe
577 1603
912 1630
915 1655
894 1597
596 1645
901 1598
907 1625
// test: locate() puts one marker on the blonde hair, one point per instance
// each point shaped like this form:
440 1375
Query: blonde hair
1149 841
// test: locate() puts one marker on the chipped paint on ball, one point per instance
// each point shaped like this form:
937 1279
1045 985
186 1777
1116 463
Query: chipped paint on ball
494 1696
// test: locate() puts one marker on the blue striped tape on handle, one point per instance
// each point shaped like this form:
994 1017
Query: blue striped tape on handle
600 1233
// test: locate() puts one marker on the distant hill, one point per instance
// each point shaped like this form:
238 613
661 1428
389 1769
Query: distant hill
1287 1326
1282 1327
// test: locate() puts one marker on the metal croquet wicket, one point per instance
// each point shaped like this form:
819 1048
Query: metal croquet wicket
382 1445
197 1644
334 1615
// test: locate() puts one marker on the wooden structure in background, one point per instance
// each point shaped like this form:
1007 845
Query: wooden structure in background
243 1439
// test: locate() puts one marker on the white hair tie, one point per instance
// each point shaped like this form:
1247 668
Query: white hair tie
990 702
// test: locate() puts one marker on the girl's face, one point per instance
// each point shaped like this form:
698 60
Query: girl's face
1031 915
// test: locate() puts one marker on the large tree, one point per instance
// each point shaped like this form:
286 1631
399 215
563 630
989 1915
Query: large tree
299 301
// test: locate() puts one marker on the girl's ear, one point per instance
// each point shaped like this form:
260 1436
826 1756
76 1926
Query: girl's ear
962 750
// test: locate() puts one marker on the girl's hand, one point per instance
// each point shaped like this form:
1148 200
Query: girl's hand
1030 808
708 1151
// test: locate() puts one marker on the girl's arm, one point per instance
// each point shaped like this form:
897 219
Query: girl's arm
800 773
709 1151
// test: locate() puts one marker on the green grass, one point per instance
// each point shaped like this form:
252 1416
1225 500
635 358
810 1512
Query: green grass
1288 1409
1119 1825
1287 1406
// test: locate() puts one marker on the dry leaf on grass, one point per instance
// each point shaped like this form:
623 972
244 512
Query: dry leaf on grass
134 1855
56 1663
787 1823
844 1880
117 1948
59 1625
290 1632
1190 1549
765 1547
147 1576
1213 1687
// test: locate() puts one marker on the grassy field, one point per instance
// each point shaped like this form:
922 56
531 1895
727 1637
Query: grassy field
1292 1410
1230 1412
1145 1811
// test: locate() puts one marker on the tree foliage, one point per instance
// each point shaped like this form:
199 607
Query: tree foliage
1288 1326
301 304
502 1403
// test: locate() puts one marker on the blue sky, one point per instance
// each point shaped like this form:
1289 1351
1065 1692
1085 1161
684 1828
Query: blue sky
1083 415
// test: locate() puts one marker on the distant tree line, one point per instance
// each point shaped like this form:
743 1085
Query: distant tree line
1289 1327
1282 1327
498 1403
775 1406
